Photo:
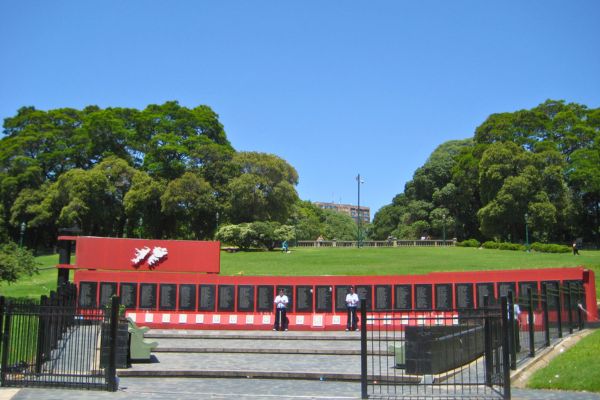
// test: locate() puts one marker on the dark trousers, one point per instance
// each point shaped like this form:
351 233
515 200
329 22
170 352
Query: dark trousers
281 322
352 320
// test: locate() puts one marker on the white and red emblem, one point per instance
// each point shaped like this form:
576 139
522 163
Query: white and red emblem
154 256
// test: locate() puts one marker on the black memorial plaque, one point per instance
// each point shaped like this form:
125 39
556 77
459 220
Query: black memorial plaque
288 291
443 296
340 297
423 300
364 292
264 298
505 287
245 297
552 293
107 290
485 289
403 296
206 298
577 293
383 297
304 299
523 296
148 296
226 298
464 295
187 297
168 296
87 294
128 293
323 299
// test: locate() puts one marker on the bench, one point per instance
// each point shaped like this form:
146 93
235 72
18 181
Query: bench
139 348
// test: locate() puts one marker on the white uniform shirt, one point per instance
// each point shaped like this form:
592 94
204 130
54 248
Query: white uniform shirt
352 300
281 301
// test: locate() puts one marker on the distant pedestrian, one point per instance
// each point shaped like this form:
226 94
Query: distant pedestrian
284 246
575 249
281 302
352 305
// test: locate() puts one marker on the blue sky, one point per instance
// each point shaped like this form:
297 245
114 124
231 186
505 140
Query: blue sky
336 88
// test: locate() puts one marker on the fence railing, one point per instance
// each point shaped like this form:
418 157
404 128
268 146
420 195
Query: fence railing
427 356
374 243
52 343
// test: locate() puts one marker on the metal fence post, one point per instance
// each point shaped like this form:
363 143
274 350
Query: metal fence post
559 311
546 319
531 323
488 342
5 343
112 359
570 307
505 335
514 331
41 339
363 349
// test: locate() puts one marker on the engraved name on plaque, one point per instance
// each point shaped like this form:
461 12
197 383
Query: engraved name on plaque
264 298
383 297
304 299
464 295
148 296
128 293
187 297
403 296
168 293
423 300
107 290
323 298
443 296
87 294
226 298
206 298
245 298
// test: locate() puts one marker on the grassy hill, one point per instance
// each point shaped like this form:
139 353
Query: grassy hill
350 261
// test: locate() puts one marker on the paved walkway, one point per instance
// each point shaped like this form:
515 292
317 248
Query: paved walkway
181 354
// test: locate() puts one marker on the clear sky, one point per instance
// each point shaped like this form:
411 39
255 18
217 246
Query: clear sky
336 88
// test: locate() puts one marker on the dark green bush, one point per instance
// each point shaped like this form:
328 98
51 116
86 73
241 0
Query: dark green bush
511 246
490 245
550 248
469 243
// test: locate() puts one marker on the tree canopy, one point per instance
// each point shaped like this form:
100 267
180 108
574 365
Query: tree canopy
537 167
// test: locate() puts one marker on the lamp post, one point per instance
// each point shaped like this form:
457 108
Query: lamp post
359 241
444 228
23 227
526 232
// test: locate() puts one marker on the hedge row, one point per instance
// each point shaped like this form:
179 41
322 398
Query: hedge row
539 247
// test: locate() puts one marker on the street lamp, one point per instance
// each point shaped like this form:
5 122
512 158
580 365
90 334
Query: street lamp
359 241
526 232
444 228
23 227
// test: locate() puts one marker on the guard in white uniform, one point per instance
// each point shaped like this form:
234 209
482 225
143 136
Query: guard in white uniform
352 305
281 321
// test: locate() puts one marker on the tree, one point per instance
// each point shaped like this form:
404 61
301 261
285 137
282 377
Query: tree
263 190
15 262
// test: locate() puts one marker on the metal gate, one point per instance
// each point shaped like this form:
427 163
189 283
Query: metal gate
461 354
52 343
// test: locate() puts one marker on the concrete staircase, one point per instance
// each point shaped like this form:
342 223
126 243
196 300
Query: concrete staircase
252 354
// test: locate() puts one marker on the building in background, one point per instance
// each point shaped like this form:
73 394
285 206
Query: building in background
348 209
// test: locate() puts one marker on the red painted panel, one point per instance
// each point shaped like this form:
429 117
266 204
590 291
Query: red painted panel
117 255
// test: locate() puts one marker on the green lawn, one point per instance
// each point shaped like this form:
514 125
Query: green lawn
576 369
351 261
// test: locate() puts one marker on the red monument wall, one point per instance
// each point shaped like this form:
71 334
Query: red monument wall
180 290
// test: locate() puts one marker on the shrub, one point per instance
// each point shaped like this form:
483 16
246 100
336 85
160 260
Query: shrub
511 246
490 245
550 248
469 243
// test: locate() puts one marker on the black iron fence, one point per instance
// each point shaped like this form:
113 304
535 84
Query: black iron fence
426 355
52 343
542 319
